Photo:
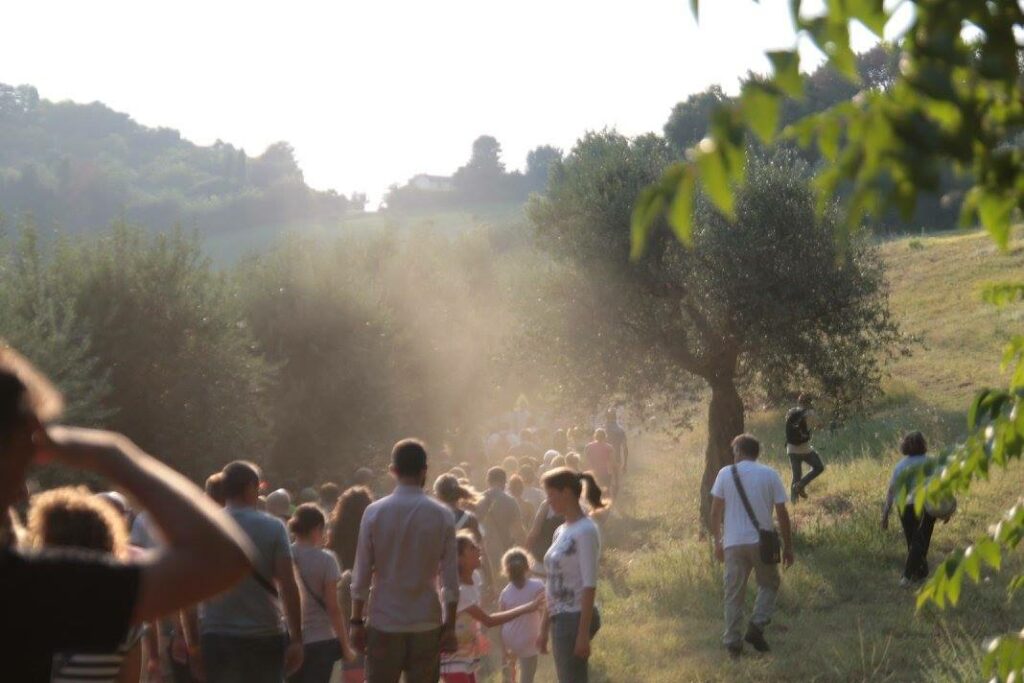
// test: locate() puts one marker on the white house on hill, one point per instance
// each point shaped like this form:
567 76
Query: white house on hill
431 183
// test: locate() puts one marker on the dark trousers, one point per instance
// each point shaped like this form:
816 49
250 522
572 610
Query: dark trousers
797 460
235 659
317 662
388 655
918 533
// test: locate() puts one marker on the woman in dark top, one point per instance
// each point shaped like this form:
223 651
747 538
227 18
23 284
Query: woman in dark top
543 531
343 540
917 530
344 524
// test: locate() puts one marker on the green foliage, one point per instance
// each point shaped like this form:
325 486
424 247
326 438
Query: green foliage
40 318
82 166
766 300
186 378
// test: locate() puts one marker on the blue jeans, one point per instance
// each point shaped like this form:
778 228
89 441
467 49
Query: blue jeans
237 659
564 629
317 662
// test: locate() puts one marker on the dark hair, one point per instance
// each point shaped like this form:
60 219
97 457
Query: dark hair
215 487
409 458
24 392
306 518
329 492
345 520
496 476
562 478
914 444
746 446
464 538
239 476
528 473
804 399
515 485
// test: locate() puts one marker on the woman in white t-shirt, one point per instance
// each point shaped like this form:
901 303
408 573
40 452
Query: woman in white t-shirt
520 635
571 567
461 666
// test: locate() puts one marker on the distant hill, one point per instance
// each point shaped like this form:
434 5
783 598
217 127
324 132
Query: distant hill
80 166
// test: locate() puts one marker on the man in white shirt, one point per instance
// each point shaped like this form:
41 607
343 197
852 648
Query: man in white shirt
737 540
406 544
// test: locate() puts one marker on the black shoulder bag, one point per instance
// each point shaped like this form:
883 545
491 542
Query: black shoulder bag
768 541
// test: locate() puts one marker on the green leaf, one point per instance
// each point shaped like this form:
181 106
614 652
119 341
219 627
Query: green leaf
1003 293
786 72
649 206
715 178
680 213
994 210
761 108
990 552
829 130
695 9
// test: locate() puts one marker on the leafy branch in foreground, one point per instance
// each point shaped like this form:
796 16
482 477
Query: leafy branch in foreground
956 102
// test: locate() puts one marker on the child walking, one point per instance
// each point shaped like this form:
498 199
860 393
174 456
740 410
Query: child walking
520 635
461 666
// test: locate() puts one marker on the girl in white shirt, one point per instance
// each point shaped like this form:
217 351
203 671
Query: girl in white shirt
520 635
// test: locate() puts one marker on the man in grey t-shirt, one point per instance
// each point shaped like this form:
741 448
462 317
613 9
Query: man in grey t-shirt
501 518
243 631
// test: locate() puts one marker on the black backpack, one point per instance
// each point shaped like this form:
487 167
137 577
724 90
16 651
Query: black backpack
797 431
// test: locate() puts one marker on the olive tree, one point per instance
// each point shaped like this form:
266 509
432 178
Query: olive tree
765 302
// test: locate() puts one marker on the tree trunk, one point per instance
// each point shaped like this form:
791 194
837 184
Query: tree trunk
725 421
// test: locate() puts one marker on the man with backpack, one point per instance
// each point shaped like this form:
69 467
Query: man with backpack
799 423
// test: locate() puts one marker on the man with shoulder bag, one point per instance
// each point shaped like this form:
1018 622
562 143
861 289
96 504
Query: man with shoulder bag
743 498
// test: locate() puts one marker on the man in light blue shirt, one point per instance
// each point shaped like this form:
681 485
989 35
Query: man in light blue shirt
406 544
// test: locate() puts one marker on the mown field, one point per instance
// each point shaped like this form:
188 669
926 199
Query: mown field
842 615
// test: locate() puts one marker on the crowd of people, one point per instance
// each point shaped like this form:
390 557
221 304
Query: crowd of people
417 581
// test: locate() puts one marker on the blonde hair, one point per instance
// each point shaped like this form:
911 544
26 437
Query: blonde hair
71 517
451 490
515 555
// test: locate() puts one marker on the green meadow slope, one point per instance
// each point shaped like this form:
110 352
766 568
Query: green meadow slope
842 616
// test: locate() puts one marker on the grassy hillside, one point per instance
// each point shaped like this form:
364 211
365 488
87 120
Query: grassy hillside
842 616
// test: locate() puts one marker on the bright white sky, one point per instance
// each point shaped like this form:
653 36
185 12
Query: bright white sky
371 92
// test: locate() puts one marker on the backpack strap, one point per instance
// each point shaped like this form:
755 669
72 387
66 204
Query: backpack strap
743 497
312 593
265 583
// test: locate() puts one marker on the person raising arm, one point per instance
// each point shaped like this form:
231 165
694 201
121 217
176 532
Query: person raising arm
64 601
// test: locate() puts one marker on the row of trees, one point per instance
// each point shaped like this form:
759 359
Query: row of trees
82 166
311 359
